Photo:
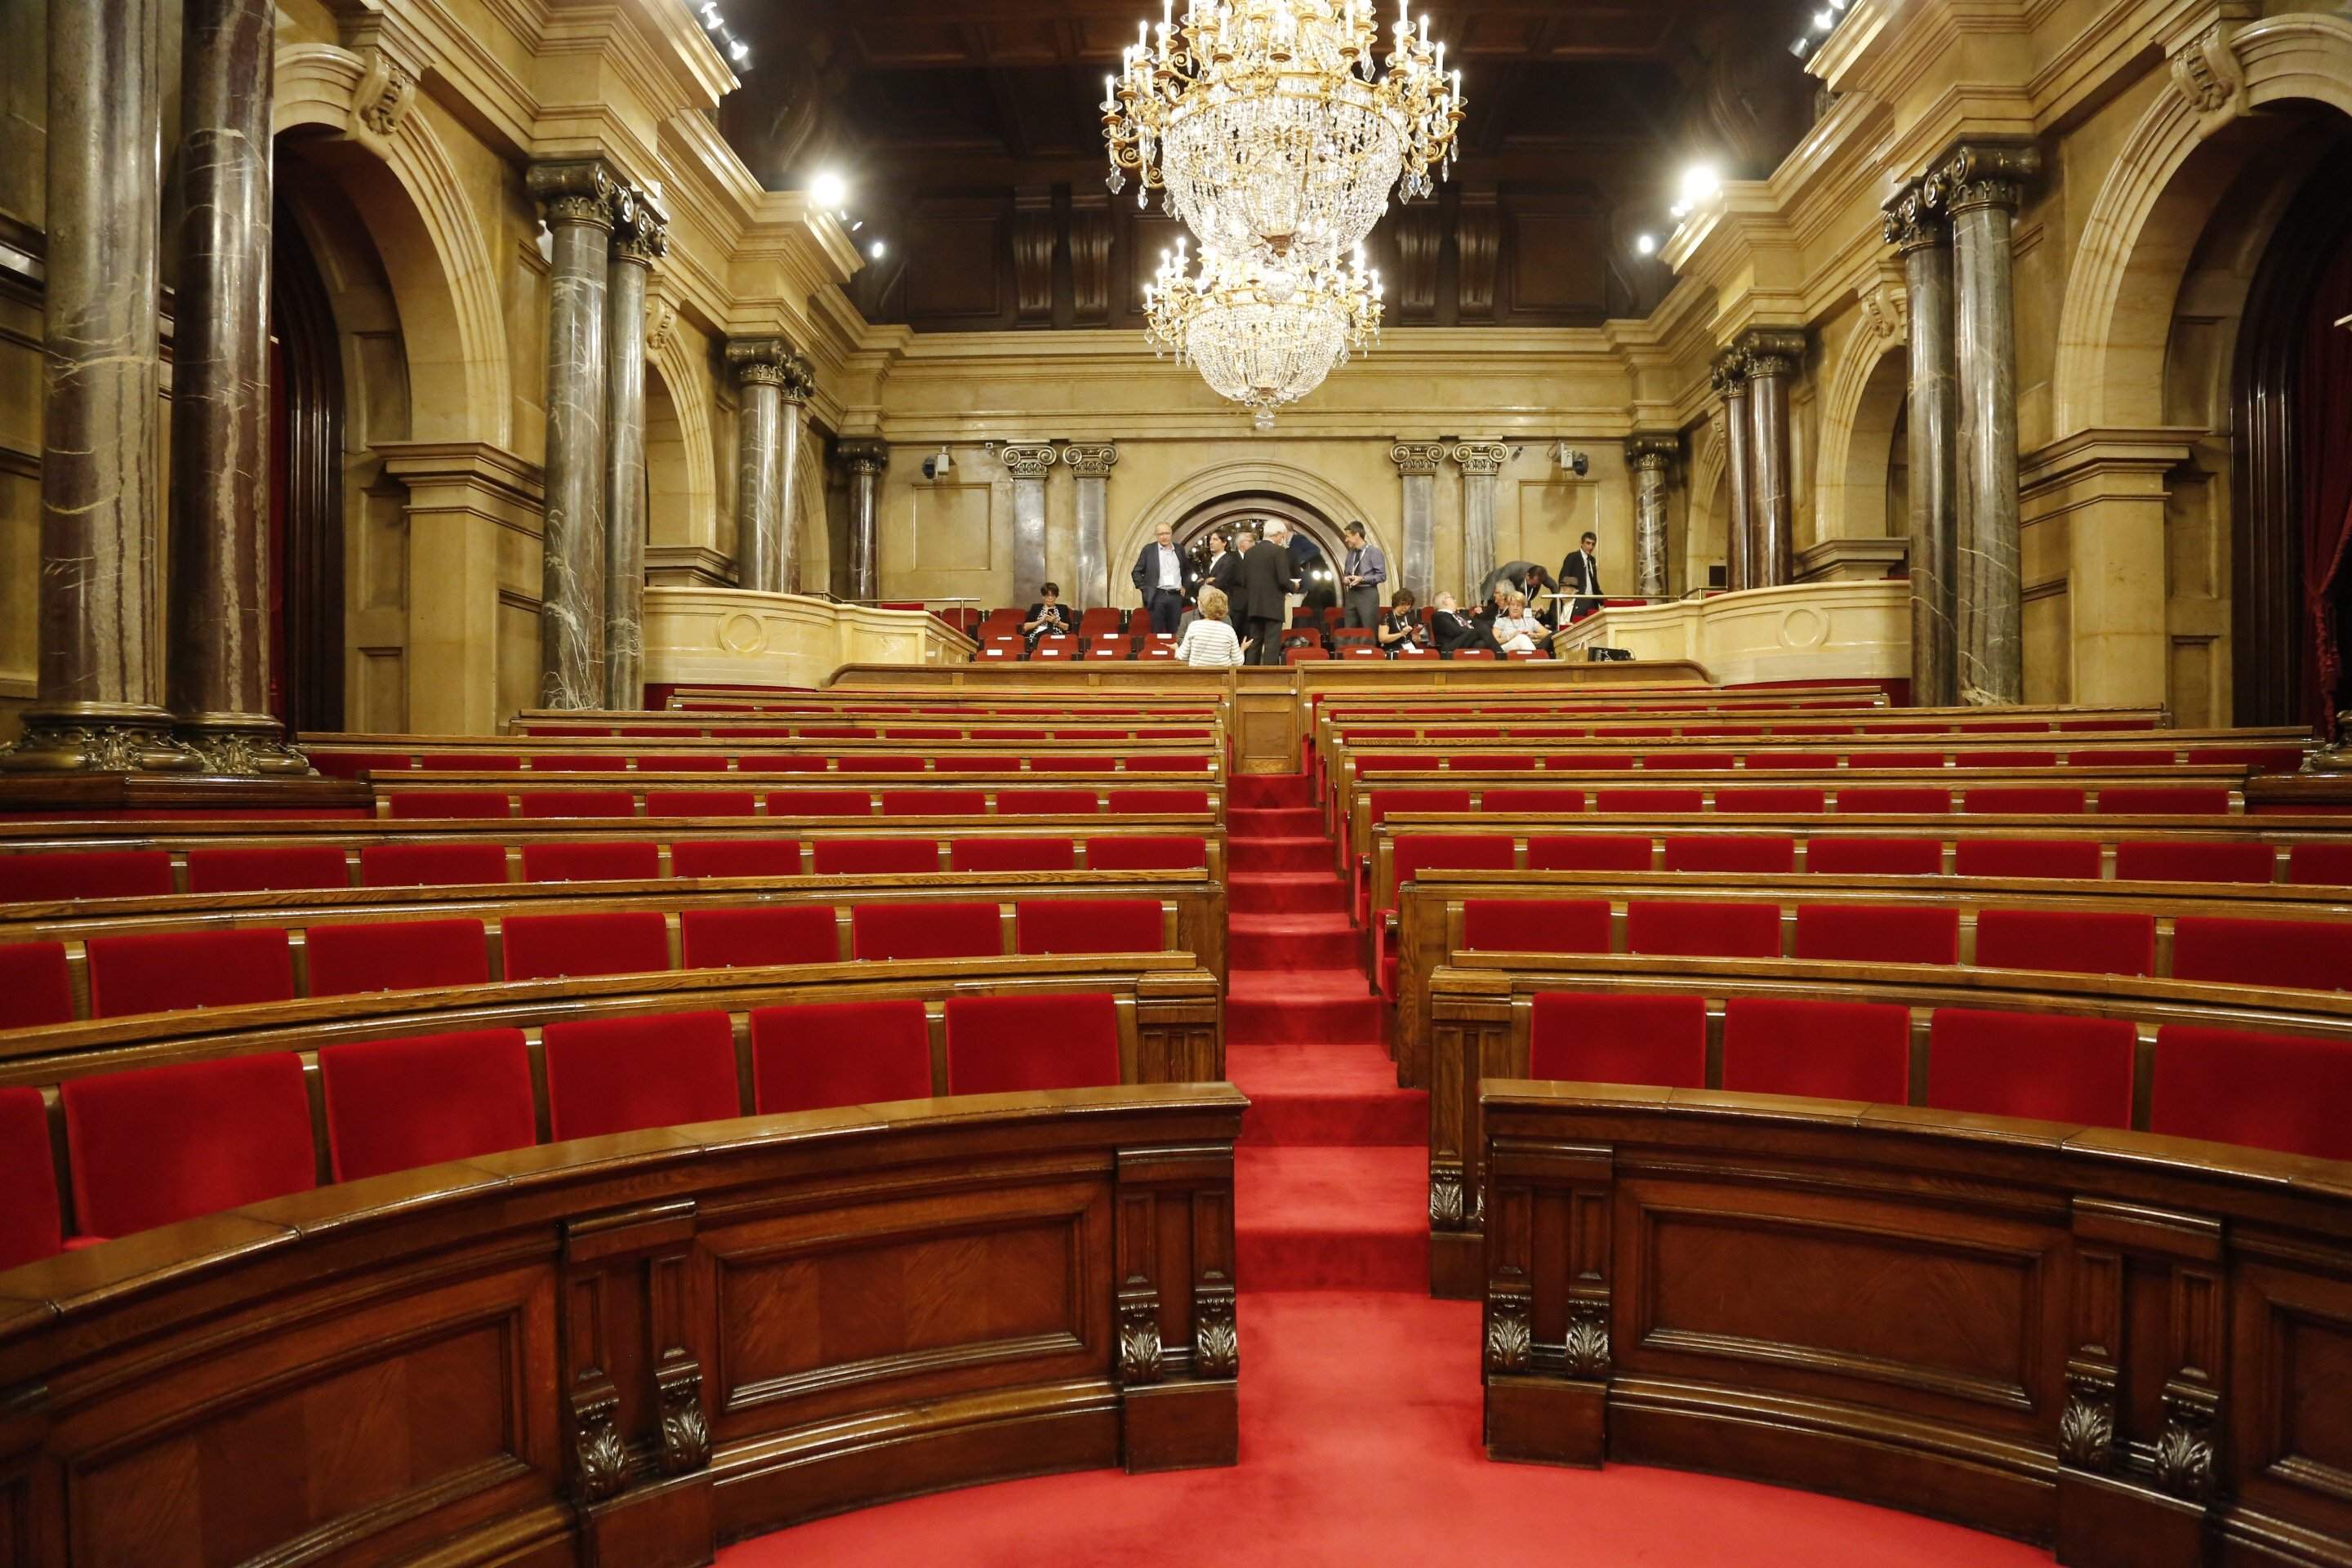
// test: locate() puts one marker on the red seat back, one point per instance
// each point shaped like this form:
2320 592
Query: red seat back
470 762
617 941
1830 1050
839 1053
1590 763
874 857
755 938
1887 800
2321 864
934 803
968 854
1676 928
1691 762
1726 852
2077 942
1417 852
579 803
580 762
966 763
2302 955
592 860
1879 934
36 985
431 865
617 1074
1385 801
2074 859
2165 800
821 803
1061 762
51 877
30 1225
1588 852
2027 1064
2269 1091
276 868
687 762
2004 759
167 1143
1046 802
879 764
735 857
702 803
395 955
1137 802
1535 925
2025 800
162 971
1533 801
2195 860
1649 801
394 1105
926 930
1167 762
1769 802
1013 1045
1602 1037
1087 925
1837 857
445 805
1147 852
780 762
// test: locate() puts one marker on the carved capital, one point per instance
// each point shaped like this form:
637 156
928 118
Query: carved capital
1417 456
1448 1206
1652 454
1216 1337
865 455
1728 376
640 227
800 379
1510 1331
600 1458
1772 352
1587 1341
1483 459
1988 174
685 1430
1915 218
2184 1454
759 361
1139 1358
1026 461
578 190
2086 1426
1090 462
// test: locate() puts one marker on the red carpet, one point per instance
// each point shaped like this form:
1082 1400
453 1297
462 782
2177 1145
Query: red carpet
1360 1396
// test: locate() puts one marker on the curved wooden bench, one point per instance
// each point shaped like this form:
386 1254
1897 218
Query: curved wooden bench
1481 1011
628 1350
890 796
2129 1347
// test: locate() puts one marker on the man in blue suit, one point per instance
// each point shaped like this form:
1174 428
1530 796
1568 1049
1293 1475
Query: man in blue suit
1163 576
1363 578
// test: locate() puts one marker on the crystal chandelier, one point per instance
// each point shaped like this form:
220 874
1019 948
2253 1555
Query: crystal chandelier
1270 126
1263 334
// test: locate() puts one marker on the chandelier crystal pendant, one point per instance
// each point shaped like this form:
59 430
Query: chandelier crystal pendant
1271 127
1263 335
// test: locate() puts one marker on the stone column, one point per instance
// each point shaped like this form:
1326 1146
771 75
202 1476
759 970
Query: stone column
1028 464
1416 463
1983 186
1772 358
218 681
1916 228
95 706
1091 467
1650 457
1482 463
640 236
577 199
762 369
865 457
1730 383
800 379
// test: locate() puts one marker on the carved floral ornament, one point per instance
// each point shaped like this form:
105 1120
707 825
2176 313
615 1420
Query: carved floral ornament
1652 454
761 362
1028 461
381 100
1090 461
1972 174
1483 459
578 191
1417 456
2209 76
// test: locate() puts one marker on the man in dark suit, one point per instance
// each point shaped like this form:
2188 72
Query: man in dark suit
1164 578
1580 576
1267 579
1451 630
1224 569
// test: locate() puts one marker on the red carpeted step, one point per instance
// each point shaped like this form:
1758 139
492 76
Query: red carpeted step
1296 856
1331 1218
1282 893
1289 821
1326 1095
1254 792
1292 942
1278 1007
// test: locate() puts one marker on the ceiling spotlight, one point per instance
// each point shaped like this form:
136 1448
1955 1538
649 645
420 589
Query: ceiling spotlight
1645 243
1699 182
1824 20
828 189
710 13
738 52
1802 46
876 250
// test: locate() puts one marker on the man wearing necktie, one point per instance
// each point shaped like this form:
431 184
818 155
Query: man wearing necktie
1361 579
1160 577
1580 575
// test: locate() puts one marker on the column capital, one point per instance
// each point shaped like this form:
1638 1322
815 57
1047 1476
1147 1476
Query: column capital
1090 461
800 379
759 361
640 227
1026 461
865 454
576 190
1483 458
1727 377
1653 453
1772 352
1913 219
1987 174
1417 456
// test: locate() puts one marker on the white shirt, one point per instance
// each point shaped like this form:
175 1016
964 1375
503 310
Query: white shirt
1171 575
1209 644
1518 634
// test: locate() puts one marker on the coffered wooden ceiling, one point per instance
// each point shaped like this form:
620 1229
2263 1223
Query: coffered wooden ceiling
969 132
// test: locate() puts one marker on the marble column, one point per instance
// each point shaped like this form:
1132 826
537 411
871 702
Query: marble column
1983 186
217 679
1730 383
1416 463
762 368
640 237
1772 360
577 200
1091 467
1482 465
865 457
1028 464
1650 457
792 412
95 704
1916 228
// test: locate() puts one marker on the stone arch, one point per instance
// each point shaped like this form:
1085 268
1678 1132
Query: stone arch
406 192
1316 494
1867 391
1707 503
679 464
2172 174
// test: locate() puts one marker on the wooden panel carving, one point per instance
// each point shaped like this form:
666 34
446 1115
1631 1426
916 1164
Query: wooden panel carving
1420 238
1478 235
1033 255
1090 235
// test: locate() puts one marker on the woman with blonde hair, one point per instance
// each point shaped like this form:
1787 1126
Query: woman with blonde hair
1209 642
1516 630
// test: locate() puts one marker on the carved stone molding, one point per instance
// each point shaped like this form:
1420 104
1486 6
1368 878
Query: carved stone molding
640 227
241 745
1090 461
1510 1331
381 102
1914 219
1989 173
1768 352
1483 458
1141 1360
759 361
1729 375
392 59
1587 1341
578 190
1885 303
1654 452
2206 71
1417 456
1216 1336
661 320
1026 462
800 378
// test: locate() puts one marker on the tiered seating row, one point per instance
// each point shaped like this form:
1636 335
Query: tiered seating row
729 754
458 798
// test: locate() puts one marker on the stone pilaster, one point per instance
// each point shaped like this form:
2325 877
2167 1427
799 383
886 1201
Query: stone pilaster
640 238
1651 458
1772 358
577 200
865 457
95 707
762 368
1028 464
1090 466
1917 226
1729 380
1481 467
1983 186
792 412
1416 463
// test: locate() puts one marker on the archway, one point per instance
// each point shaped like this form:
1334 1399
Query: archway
306 488
1307 500
1865 471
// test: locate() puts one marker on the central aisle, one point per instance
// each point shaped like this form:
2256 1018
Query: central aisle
1360 1396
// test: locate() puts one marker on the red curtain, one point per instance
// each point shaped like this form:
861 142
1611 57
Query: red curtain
2324 439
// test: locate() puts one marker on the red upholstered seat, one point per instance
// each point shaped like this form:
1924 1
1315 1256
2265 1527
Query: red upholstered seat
1766 761
1387 801
2025 800
1588 852
1601 1037
352 764
702 803
592 861
755 938
1497 763
1649 801
1143 802
1674 928
1874 856
1879 934
1475 655
275 869
580 763
894 733
1731 852
1830 1050
2306 955
2027 1064
1010 1044
835 732
685 762
431 865
52 878
2168 800
617 941
30 1226
1063 763
2269 1091
1530 802
1773 802
2076 941
839 1053
1590 763
879 764
36 985
969 853
579 803
445 805
1414 853
821 803
2321 864
1087 925
470 762
395 955
1167 762
1147 852
394 1105
1631 732
969 763
164 972
1870 757
780 762
616 1075
1046 802
2122 757
2005 759
926 930
934 803
1535 925
735 857
1892 801
163 1144
2074 859
875 856
1691 762
2195 860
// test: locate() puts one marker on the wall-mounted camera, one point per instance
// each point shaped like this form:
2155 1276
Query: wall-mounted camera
1570 461
938 467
